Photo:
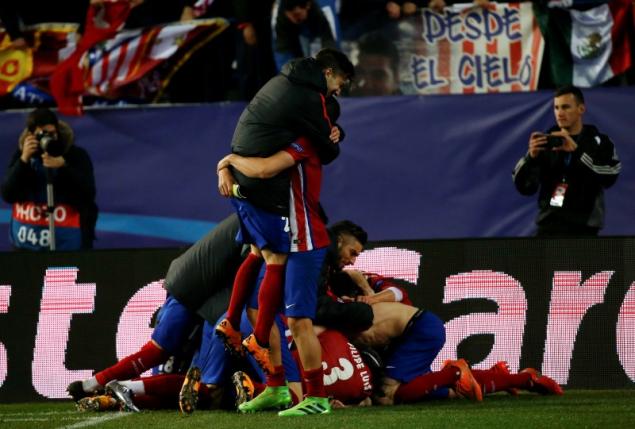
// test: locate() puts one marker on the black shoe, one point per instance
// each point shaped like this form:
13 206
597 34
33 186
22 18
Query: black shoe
76 391
123 395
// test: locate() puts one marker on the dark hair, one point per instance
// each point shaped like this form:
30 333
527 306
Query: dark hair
336 60
341 284
292 4
570 89
40 117
344 227
377 43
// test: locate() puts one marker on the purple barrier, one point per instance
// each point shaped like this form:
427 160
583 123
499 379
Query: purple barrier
411 167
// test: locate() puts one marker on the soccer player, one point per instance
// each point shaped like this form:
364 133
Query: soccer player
309 240
292 224
198 284
354 285
416 337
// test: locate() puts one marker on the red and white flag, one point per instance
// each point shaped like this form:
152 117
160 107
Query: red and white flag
108 59
132 54
102 22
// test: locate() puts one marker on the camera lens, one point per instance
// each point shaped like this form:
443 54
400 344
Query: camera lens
50 144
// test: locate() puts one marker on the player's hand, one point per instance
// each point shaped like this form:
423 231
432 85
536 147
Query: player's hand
335 134
29 147
366 299
225 182
53 161
361 281
568 145
223 163
536 143
336 403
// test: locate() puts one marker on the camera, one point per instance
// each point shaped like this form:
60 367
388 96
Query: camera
553 141
49 143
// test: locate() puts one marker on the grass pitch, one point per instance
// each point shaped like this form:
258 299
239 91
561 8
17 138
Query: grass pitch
576 409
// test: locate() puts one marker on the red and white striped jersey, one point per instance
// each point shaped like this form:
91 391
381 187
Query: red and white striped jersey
308 231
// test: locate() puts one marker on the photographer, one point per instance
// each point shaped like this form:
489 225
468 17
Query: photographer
571 164
46 153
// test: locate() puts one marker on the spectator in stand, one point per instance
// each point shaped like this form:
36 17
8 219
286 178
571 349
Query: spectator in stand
300 30
47 152
207 75
254 53
377 67
569 166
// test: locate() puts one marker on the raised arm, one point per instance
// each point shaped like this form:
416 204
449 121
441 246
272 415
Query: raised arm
258 168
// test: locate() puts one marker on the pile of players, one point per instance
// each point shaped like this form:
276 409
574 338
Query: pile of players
300 334
376 348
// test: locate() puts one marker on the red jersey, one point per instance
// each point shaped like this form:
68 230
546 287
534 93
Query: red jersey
346 376
380 283
308 231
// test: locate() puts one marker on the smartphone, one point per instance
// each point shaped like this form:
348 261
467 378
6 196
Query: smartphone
553 141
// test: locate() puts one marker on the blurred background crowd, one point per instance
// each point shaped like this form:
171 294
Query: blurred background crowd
151 51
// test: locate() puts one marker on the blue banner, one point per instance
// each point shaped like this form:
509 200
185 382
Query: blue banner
411 167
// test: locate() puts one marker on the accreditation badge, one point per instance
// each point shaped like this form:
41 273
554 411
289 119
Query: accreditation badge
557 198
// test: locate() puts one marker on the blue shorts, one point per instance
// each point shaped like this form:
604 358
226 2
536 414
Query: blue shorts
216 362
412 354
263 229
174 326
302 275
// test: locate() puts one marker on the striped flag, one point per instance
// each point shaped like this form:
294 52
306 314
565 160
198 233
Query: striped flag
106 59
103 21
130 55
471 49
588 47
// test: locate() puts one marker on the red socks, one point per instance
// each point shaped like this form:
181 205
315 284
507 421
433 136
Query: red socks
134 365
314 382
493 381
243 285
269 300
163 385
277 378
423 385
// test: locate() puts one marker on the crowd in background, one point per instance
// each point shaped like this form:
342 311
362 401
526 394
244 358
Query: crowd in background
262 36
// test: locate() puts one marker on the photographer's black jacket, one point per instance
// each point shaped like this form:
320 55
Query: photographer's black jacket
292 104
73 184
593 166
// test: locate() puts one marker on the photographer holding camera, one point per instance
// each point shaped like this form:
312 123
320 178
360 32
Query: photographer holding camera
571 164
47 154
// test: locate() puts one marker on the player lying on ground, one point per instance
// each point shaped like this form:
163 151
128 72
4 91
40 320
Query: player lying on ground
198 283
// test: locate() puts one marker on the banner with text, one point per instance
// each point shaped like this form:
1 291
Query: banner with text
470 49
566 307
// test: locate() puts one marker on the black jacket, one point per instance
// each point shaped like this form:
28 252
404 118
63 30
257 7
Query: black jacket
593 166
290 105
201 278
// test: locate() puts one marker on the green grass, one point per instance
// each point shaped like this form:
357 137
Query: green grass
576 409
